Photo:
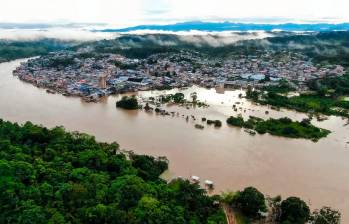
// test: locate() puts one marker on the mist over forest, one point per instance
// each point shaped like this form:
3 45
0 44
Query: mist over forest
328 46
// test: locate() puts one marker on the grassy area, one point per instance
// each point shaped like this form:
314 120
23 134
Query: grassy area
281 127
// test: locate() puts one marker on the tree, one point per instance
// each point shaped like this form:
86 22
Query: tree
148 167
218 123
251 202
178 97
194 96
289 131
32 213
57 218
46 192
96 214
128 190
252 94
294 210
326 215
236 121
150 210
128 103
306 122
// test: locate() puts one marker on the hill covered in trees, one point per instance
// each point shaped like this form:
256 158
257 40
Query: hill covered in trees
323 47
329 47
12 49
52 176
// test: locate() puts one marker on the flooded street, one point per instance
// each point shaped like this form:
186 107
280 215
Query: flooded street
233 159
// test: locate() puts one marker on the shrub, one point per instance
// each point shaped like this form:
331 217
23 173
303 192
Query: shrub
251 202
294 210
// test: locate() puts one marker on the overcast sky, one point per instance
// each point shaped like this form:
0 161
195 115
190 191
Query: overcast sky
134 12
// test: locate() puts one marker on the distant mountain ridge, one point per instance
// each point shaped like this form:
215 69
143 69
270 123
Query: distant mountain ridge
230 26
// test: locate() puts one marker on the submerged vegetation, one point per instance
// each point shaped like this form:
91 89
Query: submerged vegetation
307 103
128 103
216 123
179 99
280 127
199 126
327 97
52 176
176 98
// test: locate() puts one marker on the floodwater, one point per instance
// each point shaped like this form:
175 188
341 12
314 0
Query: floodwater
233 159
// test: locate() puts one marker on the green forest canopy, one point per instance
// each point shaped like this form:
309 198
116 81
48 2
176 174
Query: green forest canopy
52 176
11 50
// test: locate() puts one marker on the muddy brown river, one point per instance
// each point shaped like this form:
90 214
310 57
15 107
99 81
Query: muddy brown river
233 159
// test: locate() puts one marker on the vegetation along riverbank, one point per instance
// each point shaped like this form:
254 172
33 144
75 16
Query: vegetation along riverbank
327 96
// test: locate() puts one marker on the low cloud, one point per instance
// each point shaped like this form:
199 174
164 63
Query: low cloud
224 38
64 34
203 38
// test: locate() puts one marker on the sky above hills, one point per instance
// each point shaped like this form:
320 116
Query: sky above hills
122 13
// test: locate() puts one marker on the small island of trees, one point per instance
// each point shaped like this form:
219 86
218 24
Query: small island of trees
128 103
280 127
216 123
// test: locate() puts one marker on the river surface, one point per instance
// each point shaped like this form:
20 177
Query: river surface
233 159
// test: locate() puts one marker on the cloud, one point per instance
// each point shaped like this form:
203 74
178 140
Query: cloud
195 37
65 34
219 39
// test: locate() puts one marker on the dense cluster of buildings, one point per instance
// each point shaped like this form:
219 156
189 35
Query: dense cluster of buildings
91 76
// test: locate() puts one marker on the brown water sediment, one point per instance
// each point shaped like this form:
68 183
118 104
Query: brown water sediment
317 172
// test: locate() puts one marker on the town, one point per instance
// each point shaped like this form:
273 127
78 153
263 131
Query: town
93 75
